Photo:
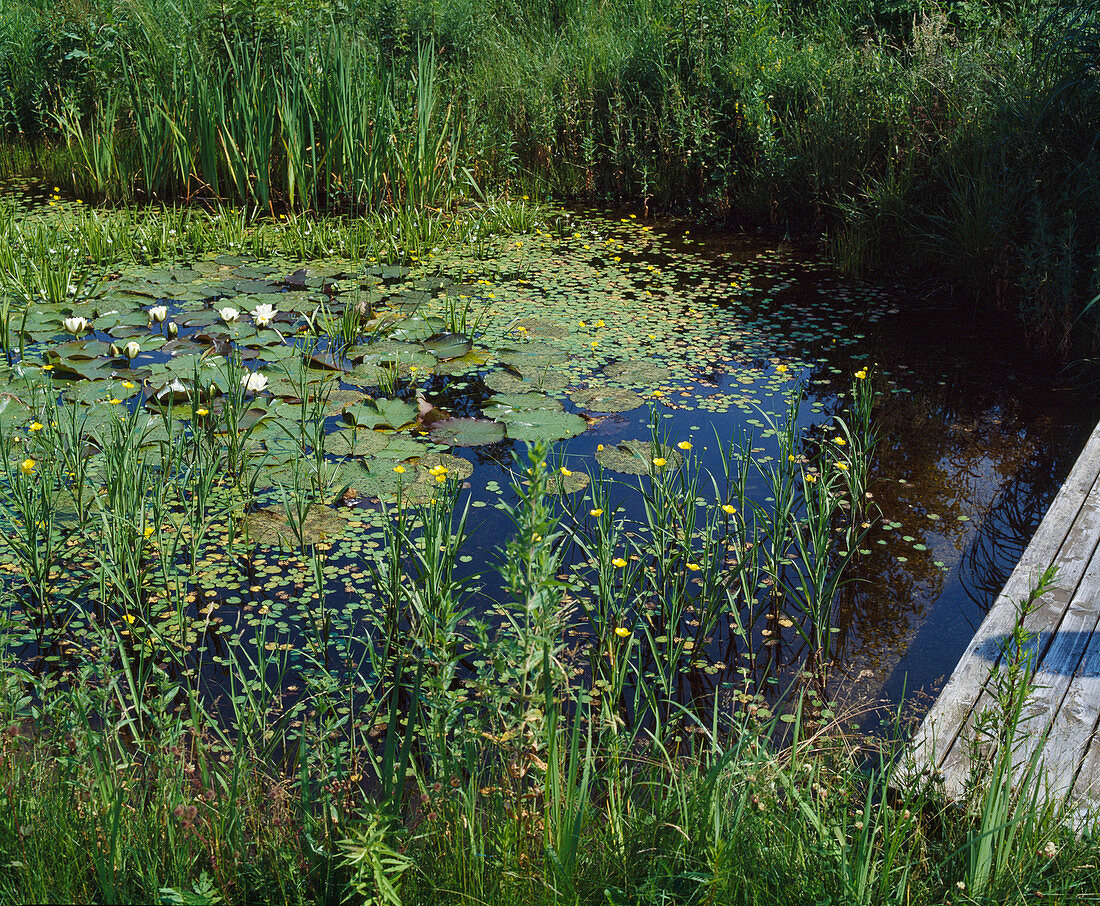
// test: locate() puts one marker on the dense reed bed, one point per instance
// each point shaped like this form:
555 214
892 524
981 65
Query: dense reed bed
958 137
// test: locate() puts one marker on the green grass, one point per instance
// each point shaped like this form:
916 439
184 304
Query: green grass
407 773
956 136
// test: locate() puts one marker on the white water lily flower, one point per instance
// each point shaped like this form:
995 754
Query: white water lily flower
253 382
229 314
131 349
77 325
158 313
264 314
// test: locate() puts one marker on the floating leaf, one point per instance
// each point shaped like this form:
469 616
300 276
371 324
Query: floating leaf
635 457
380 413
541 424
467 432
606 399
448 346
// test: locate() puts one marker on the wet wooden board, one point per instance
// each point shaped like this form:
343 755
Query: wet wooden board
1062 714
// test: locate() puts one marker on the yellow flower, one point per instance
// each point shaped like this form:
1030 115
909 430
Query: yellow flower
782 369
618 562
790 457
47 367
565 472
36 426
202 412
599 323
400 470
581 324
684 445
599 447
114 402
622 632
861 374
658 461
839 441
129 385
811 478
129 618
27 466
596 512
148 531
594 344
843 466
728 509
694 567
658 393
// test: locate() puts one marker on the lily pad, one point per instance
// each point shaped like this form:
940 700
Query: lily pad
541 424
380 413
269 526
606 399
447 346
467 432
637 373
635 457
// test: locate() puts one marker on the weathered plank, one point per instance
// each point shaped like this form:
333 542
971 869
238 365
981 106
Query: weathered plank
1057 622
1060 714
1067 537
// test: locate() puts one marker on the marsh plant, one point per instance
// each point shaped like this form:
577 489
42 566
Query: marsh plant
555 721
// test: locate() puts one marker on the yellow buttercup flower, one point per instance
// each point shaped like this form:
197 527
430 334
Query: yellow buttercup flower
36 426
694 567
684 445
782 369
148 531
400 470
728 509
658 461
622 632
861 374
27 466
843 466
202 412
840 441
618 562
565 472
129 618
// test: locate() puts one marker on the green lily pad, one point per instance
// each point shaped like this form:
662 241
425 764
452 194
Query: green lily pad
448 346
606 399
635 457
637 373
269 526
467 432
541 424
380 413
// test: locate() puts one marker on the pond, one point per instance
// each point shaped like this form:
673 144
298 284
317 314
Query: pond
585 333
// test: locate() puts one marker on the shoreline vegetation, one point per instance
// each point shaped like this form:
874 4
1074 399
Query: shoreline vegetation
956 139
430 754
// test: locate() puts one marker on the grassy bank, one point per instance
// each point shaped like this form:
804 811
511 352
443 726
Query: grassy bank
957 137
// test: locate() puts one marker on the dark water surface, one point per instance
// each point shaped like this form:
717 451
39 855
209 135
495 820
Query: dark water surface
711 333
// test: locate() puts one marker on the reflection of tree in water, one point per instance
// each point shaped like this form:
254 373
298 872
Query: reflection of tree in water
953 465
1012 519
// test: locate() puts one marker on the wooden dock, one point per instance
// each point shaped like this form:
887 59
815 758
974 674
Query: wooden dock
1063 712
